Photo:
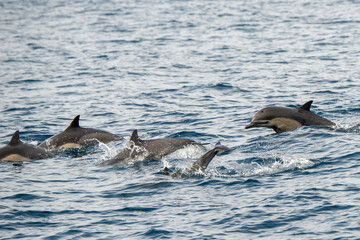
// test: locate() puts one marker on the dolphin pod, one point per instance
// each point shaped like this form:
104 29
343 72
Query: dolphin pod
75 136
150 149
17 151
280 119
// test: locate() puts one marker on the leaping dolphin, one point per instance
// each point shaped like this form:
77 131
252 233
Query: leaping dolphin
75 136
17 151
150 149
202 163
282 119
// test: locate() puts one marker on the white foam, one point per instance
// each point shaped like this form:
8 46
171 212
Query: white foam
34 142
269 166
110 151
284 164
184 157
191 151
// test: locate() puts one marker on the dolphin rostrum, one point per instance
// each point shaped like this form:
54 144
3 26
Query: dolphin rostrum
75 136
282 119
202 163
17 151
150 149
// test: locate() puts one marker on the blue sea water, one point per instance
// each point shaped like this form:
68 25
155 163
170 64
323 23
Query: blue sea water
191 69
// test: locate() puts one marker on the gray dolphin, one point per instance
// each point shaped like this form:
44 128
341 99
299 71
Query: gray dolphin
75 136
150 149
17 151
202 163
282 119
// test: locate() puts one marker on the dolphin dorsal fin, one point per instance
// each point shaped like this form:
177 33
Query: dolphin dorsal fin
135 138
75 122
15 139
306 106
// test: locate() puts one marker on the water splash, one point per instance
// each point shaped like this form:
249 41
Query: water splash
267 166
188 152
110 150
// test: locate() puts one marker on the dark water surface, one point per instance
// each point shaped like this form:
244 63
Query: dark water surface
192 69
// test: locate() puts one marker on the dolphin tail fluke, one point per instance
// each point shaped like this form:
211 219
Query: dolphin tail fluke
15 138
75 122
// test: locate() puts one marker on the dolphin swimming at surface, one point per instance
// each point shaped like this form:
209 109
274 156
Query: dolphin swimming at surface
282 119
17 151
75 136
150 149
202 163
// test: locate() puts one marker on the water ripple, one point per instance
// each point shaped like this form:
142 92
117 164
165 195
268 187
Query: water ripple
189 69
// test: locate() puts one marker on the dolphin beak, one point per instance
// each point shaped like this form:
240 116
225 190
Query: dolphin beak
250 125
257 123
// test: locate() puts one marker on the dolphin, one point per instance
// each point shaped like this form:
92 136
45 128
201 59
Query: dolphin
75 136
202 163
282 119
150 149
17 151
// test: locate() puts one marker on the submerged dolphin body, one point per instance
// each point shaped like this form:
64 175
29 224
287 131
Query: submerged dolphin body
202 163
17 151
150 149
75 136
282 119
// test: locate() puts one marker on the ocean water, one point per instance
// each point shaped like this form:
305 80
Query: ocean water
191 69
